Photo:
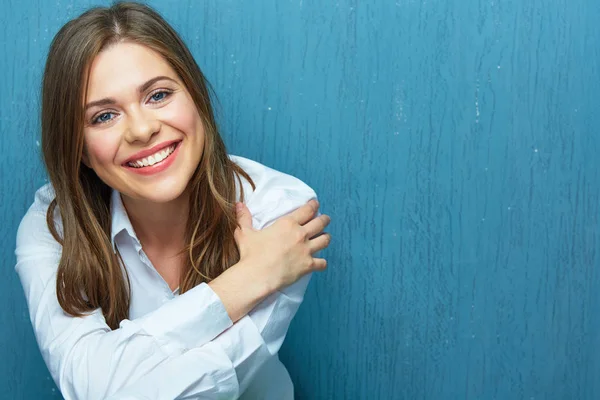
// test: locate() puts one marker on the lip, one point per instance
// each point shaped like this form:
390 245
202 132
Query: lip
150 151
159 167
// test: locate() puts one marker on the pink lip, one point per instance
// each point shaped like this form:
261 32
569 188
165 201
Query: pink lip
158 167
150 151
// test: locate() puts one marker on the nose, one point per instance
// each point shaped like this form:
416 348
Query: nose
142 125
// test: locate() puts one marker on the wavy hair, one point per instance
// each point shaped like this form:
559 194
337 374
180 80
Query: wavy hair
90 273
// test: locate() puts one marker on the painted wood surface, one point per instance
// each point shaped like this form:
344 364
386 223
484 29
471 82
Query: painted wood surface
454 144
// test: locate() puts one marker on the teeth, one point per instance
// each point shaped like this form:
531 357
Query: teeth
153 159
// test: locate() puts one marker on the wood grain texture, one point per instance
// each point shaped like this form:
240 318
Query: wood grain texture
452 142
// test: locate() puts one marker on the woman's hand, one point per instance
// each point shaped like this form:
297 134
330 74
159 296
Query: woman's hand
271 258
283 253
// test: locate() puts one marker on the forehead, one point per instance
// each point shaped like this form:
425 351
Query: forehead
121 68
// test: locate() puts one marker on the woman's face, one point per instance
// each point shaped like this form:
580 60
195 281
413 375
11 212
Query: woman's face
143 135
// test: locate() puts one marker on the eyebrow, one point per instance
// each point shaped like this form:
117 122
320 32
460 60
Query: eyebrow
142 88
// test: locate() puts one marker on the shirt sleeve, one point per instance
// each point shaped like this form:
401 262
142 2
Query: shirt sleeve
88 360
276 195
274 314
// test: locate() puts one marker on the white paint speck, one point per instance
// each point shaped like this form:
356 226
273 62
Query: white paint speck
498 67
269 108
37 143
535 150
509 208
477 103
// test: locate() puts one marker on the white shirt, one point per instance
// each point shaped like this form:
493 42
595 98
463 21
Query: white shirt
172 346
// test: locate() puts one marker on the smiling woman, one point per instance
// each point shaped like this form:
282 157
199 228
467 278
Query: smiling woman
155 265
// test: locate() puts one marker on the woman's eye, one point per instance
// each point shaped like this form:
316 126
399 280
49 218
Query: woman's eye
159 96
102 118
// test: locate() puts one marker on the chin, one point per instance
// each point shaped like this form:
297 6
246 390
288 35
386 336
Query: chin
164 195
161 198
163 192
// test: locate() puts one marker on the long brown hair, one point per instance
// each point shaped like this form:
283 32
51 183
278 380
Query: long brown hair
90 274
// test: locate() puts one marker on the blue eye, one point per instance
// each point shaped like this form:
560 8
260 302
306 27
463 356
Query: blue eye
159 96
102 118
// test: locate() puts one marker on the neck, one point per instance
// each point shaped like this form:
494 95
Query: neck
159 226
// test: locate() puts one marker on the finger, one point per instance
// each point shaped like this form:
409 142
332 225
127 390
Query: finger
319 264
305 213
244 218
317 225
319 243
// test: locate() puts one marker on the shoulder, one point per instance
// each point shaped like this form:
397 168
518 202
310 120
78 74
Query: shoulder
276 193
33 230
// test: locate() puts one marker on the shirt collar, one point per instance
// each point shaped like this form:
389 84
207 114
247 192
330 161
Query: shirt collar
120 220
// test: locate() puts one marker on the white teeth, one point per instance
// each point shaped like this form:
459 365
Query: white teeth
161 155
153 159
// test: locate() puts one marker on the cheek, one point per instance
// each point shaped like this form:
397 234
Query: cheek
183 116
101 149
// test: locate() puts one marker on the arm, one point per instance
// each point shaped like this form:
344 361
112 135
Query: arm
270 320
273 315
87 360
277 195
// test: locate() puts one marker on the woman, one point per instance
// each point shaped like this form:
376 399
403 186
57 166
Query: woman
141 278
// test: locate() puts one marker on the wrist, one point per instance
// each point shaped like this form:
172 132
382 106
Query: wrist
240 289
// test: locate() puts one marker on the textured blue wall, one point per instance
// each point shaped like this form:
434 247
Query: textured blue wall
454 144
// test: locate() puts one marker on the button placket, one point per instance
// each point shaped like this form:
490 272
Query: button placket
148 263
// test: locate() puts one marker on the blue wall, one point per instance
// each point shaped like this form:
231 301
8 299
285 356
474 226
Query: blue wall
453 143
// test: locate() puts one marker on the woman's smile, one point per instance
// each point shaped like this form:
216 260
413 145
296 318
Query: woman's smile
161 157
